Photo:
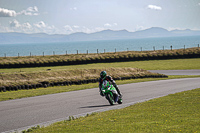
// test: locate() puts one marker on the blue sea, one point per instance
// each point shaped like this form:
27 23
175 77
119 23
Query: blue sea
92 46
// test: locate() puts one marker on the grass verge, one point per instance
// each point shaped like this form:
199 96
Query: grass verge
77 75
178 112
172 64
52 90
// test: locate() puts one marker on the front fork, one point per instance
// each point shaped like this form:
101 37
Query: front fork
114 95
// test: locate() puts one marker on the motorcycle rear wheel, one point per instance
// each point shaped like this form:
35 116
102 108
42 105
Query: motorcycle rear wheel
119 101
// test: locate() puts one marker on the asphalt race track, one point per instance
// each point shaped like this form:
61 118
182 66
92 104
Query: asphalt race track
43 110
177 72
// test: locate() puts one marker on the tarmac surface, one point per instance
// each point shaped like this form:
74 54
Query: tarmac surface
20 114
177 72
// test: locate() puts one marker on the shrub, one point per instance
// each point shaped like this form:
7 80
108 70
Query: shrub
102 58
131 56
145 56
79 60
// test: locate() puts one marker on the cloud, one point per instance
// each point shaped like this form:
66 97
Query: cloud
98 29
7 13
68 28
74 8
27 25
154 7
138 28
199 4
76 26
39 27
30 11
107 25
72 29
115 24
44 28
40 24
110 25
5 29
14 24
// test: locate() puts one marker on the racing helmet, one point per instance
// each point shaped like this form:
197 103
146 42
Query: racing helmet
103 74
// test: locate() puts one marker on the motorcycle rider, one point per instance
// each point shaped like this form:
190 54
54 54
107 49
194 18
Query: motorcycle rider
104 76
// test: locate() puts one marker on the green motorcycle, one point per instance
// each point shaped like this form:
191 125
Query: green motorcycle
110 93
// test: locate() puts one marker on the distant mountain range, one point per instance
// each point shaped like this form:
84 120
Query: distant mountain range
13 37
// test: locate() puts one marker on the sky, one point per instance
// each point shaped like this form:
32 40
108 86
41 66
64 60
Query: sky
89 16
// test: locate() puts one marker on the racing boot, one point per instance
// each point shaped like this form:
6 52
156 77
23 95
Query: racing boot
120 94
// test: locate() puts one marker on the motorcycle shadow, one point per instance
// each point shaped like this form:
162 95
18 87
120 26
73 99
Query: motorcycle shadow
96 106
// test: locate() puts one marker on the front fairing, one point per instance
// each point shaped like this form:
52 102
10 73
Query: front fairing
107 89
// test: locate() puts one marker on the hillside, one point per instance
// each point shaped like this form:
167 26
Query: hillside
13 38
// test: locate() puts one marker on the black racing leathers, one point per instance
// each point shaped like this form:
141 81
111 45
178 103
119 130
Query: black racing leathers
108 78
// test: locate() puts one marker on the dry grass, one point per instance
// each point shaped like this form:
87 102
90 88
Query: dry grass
23 78
82 57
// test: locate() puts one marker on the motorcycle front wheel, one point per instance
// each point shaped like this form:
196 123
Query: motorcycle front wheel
110 99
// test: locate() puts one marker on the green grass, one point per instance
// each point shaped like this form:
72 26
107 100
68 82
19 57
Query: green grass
8 95
178 112
173 64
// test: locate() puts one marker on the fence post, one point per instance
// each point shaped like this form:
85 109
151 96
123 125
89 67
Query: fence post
184 47
53 52
163 47
97 51
43 54
30 54
77 51
87 51
115 50
198 45
18 55
5 55
127 49
154 48
171 47
141 48
66 52
104 51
